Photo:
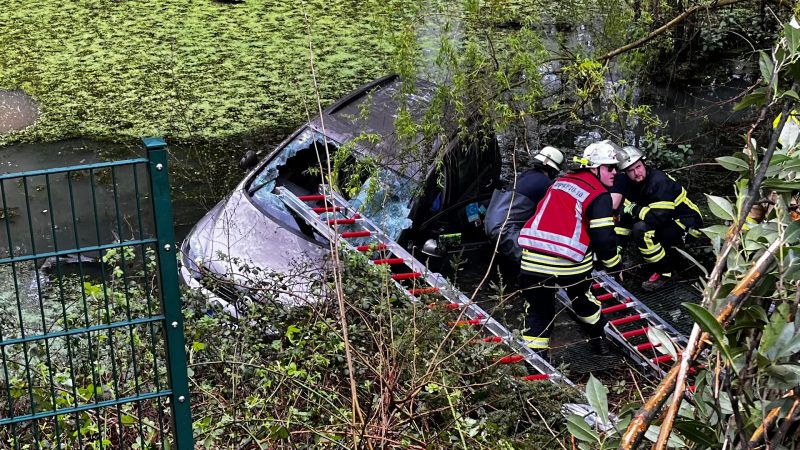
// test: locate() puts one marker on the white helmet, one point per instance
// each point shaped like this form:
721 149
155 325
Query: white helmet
550 156
598 154
629 156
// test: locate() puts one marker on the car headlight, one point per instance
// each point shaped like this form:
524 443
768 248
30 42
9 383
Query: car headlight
192 257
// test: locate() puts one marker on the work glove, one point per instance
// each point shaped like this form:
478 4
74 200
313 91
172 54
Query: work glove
629 207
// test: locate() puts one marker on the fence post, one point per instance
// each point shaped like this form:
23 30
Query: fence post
170 293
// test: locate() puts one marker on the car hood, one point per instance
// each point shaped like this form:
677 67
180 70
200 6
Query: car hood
235 233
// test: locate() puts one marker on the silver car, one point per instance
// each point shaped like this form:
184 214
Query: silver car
415 189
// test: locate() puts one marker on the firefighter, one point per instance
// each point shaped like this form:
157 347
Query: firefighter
509 209
571 225
663 215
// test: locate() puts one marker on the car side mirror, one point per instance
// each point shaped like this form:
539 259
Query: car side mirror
249 160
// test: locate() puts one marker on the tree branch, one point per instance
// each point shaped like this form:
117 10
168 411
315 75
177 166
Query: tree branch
667 26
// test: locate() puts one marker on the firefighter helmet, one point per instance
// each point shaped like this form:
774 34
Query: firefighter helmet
550 156
629 156
598 154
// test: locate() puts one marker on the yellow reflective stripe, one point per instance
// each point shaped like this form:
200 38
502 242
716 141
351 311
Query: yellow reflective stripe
622 231
592 298
551 260
695 233
612 262
602 222
650 249
681 197
643 212
680 224
662 205
550 270
654 258
536 342
591 320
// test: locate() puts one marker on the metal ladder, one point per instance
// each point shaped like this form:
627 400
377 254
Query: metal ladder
335 219
628 323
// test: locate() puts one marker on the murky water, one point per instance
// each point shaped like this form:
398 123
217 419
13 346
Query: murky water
17 111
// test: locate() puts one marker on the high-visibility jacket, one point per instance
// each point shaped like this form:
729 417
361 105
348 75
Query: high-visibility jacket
560 226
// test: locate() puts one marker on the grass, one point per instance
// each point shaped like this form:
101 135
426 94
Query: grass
187 70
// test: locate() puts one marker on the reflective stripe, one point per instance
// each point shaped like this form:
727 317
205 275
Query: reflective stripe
643 212
601 222
536 342
592 298
591 320
662 205
658 256
613 261
558 271
552 260
622 231
680 224
551 265
540 243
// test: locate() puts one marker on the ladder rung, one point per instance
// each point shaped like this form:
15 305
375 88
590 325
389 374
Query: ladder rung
597 285
406 276
352 234
389 261
632 333
465 322
349 221
510 359
646 346
370 247
661 359
616 308
604 297
537 377
420 291
311 197
323 209
628 319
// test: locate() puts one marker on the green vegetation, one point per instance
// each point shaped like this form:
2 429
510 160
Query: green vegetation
186 70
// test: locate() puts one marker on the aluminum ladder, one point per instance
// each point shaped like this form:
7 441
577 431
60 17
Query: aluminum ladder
335 219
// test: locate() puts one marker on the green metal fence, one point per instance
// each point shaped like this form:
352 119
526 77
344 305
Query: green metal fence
91 334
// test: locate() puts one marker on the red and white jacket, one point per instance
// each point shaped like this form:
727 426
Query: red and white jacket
560 226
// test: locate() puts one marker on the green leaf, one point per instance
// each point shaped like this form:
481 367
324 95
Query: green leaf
692 260
658 336
733 164
698 432
720 207
791 93
580 429
709 324
128 420
792 38
757 98
766 66
596 393
792 347
673 441
784 376
792 233
777 334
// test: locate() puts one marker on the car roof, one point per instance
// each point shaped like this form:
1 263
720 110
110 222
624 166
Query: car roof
372 109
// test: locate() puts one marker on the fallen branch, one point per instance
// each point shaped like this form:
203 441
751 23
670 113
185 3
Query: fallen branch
674 382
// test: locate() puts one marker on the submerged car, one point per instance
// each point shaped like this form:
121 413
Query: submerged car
416 189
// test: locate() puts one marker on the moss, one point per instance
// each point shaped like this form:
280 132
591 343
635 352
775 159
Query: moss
187 70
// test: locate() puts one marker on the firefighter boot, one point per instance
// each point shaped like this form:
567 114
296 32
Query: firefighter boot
656 281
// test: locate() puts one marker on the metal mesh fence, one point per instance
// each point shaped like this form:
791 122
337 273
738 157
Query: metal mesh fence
85 327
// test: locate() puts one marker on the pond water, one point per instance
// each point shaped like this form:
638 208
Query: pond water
17 111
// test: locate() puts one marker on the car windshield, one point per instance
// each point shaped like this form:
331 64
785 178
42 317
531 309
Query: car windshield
384 197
